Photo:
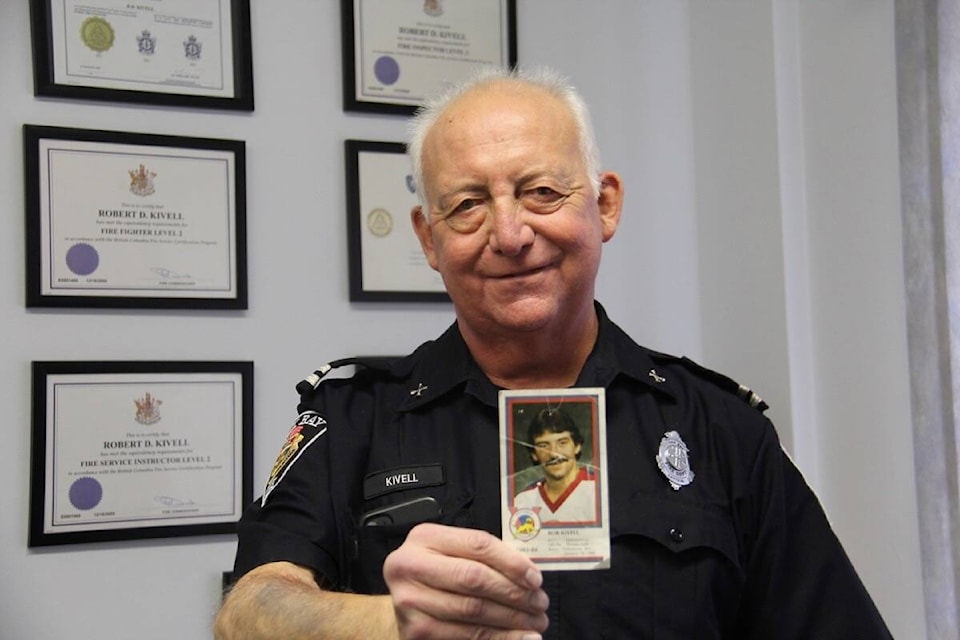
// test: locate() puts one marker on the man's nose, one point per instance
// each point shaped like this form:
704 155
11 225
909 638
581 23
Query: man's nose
510 233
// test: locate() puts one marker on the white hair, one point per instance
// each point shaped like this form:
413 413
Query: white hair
542 78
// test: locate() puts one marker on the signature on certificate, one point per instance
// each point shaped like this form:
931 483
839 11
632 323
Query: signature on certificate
167 501
170 274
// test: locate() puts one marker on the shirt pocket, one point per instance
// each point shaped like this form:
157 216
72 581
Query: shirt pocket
374 542
675 568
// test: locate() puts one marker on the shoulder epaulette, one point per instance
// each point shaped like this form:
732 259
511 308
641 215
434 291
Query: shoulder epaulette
376 363
728 384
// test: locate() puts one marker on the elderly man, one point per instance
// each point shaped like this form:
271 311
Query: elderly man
382 517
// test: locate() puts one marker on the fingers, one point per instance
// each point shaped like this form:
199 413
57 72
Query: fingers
434 614
464 577
451 582
453 631
478 545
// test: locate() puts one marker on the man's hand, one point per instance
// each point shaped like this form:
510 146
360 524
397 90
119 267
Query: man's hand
448 582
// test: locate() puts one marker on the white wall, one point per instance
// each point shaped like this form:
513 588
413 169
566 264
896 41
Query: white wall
801 272
857 306
733 124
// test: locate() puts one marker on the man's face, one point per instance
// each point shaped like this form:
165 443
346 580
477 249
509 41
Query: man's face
557 454
511 221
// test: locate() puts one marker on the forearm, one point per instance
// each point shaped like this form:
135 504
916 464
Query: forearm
282 600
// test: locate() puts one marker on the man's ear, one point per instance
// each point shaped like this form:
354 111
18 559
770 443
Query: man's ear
421 226
610 203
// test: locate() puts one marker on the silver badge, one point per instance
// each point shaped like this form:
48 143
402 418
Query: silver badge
674 461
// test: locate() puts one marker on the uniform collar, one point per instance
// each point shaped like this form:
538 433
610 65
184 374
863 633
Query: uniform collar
445 366
615 353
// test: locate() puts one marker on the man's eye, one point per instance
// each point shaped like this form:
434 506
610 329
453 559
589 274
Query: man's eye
542 199
465 205
467 216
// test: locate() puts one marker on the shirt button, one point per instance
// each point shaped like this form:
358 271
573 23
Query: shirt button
676 535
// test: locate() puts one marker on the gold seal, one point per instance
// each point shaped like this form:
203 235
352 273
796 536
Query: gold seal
380 222
97 34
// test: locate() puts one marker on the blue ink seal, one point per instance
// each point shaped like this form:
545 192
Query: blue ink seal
386 70
85 493
82 259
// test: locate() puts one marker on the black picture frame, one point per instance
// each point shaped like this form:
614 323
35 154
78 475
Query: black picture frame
221 232
227 580
83 460
48 51
394 207
398 104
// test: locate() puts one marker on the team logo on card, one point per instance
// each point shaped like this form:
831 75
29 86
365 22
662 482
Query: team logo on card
525 523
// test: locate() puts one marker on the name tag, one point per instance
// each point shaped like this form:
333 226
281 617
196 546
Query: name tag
402 478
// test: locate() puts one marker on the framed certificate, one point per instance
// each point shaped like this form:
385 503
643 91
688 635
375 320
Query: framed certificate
386 261
127 450
190 53
398 52
129 220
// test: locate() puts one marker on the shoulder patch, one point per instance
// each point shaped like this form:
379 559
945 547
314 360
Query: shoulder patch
727 384
309 426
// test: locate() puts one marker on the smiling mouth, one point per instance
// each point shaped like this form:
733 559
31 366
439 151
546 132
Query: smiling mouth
555 461
524 274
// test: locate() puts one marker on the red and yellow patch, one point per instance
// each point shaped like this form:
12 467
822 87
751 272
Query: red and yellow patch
310 425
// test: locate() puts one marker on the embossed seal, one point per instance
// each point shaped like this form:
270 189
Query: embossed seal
674 461
380 222
97 34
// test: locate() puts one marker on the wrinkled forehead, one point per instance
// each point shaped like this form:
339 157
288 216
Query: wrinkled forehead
485 108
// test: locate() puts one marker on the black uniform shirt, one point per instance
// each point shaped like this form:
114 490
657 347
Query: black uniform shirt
744 551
